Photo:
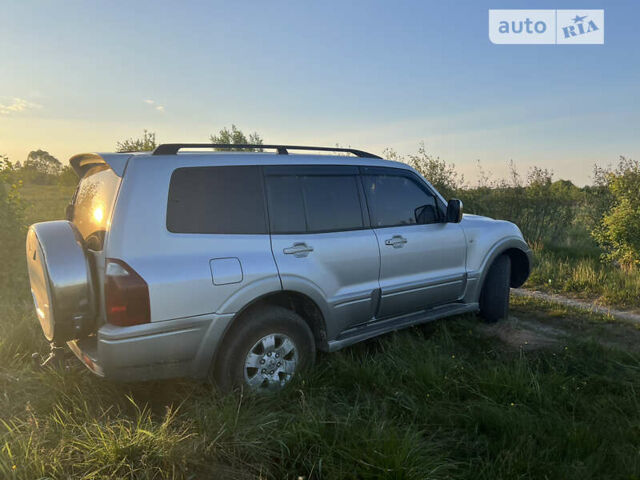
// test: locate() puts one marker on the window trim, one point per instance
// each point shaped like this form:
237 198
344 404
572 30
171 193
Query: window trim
419 181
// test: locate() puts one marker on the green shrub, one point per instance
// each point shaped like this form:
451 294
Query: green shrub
563 271
146 143
442 175
12 229
619 231
68 177
543 209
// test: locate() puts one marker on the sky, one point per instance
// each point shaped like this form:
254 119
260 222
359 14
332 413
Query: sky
78 76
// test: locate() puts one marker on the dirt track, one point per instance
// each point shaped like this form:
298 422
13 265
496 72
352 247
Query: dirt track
581 304
539 328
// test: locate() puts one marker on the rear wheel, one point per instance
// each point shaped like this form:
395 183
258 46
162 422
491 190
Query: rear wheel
494 297
264 350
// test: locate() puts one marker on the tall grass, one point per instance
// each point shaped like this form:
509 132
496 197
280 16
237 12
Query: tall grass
436 402
565 271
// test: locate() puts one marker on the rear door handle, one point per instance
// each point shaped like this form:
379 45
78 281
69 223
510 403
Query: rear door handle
298 249
397 241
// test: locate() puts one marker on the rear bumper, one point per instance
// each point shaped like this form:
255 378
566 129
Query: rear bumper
173 348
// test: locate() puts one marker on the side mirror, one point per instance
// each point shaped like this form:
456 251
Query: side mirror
454 211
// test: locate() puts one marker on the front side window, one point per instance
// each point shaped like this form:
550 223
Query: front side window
93 204
398 200
216 200
314 203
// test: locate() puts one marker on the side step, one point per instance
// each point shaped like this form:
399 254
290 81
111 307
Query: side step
379 327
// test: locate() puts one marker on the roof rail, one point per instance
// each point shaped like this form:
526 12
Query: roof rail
173 148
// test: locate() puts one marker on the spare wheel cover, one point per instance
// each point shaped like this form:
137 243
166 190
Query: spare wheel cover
60 278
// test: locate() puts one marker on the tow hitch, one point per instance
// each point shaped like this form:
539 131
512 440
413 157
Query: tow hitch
55 359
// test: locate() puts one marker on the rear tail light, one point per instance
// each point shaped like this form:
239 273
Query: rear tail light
126 295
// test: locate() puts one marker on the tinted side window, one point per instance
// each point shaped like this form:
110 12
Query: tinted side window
314 203
216 200
332 203
286 205
393 200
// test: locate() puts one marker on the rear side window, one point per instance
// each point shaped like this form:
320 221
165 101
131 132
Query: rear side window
332 203
286 205
93 204
314 203
216 200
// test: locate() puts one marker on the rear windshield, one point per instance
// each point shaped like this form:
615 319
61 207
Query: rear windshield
93 204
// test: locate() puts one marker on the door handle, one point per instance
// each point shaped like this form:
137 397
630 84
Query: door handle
397 241
298 249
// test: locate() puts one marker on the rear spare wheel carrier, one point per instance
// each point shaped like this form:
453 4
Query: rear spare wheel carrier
60 277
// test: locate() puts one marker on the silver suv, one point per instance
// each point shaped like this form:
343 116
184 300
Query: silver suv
239 266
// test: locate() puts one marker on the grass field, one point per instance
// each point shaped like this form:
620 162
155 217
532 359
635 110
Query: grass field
45 202
551 393
583 275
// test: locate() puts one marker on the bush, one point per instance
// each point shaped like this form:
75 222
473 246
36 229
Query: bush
619 231
547 211
235 136
543 209
12 227
440 174
68 177
146 143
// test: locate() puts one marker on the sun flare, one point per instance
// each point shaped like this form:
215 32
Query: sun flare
98 214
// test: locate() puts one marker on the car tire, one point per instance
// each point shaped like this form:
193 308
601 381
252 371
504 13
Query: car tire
494 297
246 359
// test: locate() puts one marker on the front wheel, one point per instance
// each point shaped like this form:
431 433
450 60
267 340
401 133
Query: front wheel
264 350
494 297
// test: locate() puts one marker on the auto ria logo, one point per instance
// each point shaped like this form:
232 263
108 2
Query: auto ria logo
546 27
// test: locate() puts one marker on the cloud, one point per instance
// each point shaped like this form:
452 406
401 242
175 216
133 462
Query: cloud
156 106
16 105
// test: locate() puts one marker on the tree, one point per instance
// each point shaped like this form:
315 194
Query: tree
6 167
236 137
40 167
619 231
146 143
42 161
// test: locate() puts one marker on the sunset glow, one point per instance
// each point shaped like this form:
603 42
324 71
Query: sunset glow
98 214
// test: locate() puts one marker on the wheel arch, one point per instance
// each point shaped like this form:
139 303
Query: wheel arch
296 301
521 261
520 266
